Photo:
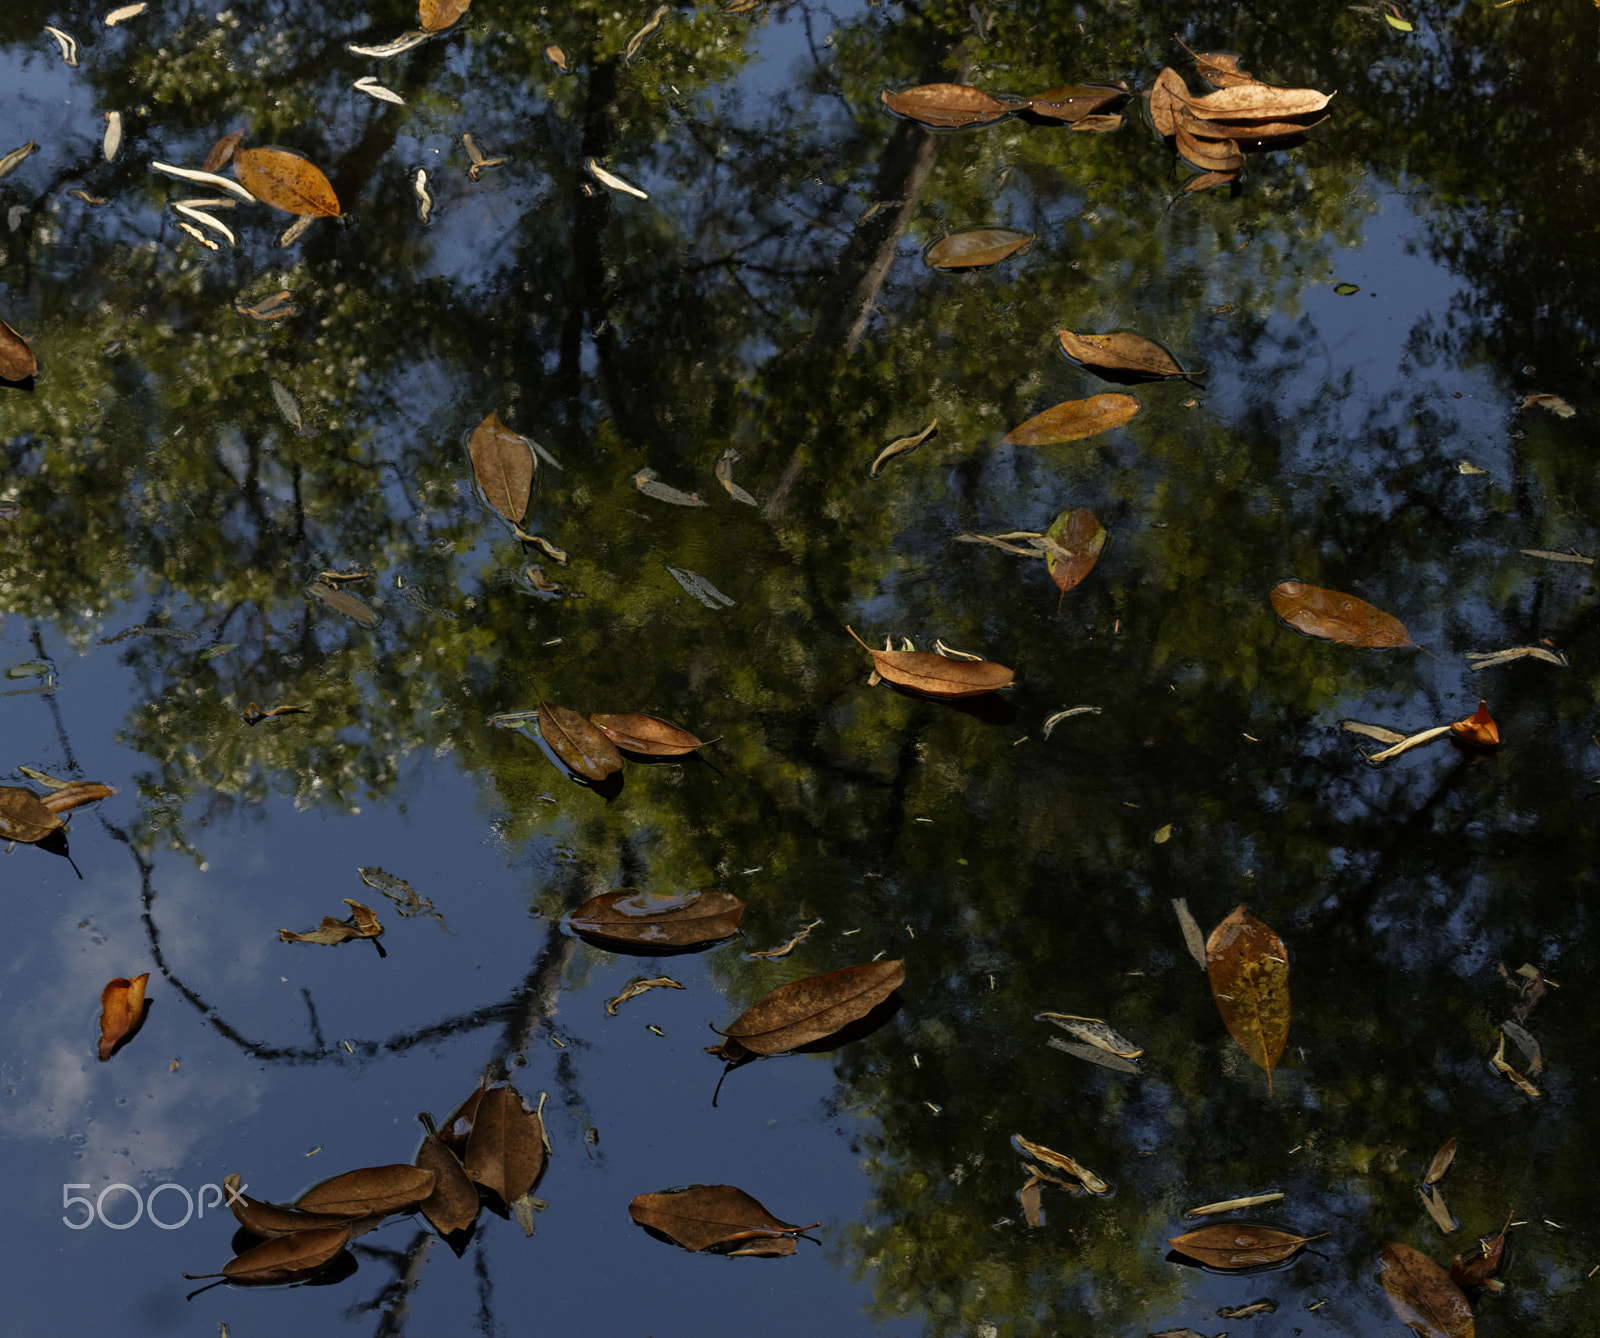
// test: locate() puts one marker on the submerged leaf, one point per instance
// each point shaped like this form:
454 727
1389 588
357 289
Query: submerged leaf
122 1010
652 922
1422 1294
1073 420
1123 352
703 1217
503 465
286 181
645 482
1234 1245
580 746
724 473
1248 966
1554 403
1313 611
947 106
937 675
808 1010
975 249
342 601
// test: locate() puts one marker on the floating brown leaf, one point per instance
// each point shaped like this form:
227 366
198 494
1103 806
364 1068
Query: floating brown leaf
286 181
122 1010
453 1204
372 1189
292 1258
361 924
1167 96
1245 130
703 1217
901 446
77 794
1073 420
1248 966
1422 1294
646 734
1257 102
17 362
1095 1031
1073 102
505 1150
1481 1265
1209 155
637 986
1478 728
1313 611
1438 1209
654 922
221 152
1221 69
271 1220
937 675
24 817
975 249
948 106
1076 540
503 465
1440 1163
458 1124
342 601
582 747
1231 1245
1122 351
437 15
1050 1157
807 1010
1234 1205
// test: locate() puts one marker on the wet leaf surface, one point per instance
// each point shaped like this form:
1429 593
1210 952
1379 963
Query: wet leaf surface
361 923
17 361
286 181
271 1220
1422 1294
1248 967
648 735
805 1011
1122 352
581 746
1074 420
505 1150
1077 540
285 1259
503 465
975 249
1074 102
437 15
371 1189
1238 1245
122 1012
947 106
938 675
1332 616
704 1217
654 922
24 816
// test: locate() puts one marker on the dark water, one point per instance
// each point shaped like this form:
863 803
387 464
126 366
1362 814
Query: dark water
769 297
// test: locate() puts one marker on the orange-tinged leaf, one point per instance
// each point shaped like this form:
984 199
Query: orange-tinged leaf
23 815
1076 101
1221 69
1167 96
1073 420
975 249
706 1217
1208 155
1248 967
1076 539
1481 1265
372 1189
1121 351
1230 1245
503 464
1478 728
648 735
1245 130
581 746
1313 611
1257 102
286 181
437 15
648 922
17 362
947 106
1422 1294
122 1010
76 795
807 1010
937 675
221 152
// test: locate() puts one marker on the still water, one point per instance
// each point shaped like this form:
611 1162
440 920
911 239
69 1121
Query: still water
180 472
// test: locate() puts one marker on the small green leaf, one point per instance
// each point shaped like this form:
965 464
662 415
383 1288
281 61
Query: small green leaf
1347 289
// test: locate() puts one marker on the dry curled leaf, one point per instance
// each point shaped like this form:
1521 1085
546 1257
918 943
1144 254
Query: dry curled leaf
647 735
637 986
706 1217
1481 1265
1095 1032
1478 728
362 923
1050 1157
1422 1294
271 1220
808 1010
1207 154
1235 1205
937 675
122 1010
1235 1245
1122 352
77 794
503 465
947 106
1313 611
1074 420
1248 131
655 923
975 249
1248 967
581 747
286 181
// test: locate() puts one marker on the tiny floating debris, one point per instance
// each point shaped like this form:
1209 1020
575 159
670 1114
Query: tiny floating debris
372 88
206 179
68 44
275 308
402 43
901 446
419 184
612 182
479 161
645 482
254 715
289 407
117 16
113 139
14 159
